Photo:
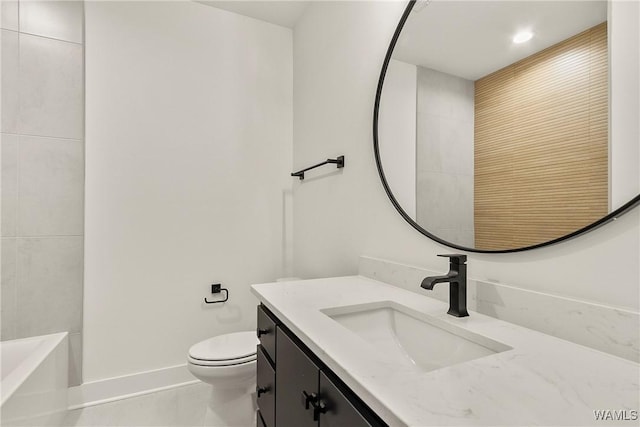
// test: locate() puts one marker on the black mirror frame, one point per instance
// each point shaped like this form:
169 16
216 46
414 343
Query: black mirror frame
376 109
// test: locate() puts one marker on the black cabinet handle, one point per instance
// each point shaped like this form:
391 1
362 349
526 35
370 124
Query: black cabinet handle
319 407
261 390
308 399
261 332
312 399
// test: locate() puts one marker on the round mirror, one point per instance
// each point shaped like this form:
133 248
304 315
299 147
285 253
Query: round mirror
496 126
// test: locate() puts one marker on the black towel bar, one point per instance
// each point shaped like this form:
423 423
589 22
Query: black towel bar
339 161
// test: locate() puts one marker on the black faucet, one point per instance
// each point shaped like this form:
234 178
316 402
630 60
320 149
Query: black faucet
457 279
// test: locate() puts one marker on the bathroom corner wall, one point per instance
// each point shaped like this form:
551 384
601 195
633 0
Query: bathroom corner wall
43 171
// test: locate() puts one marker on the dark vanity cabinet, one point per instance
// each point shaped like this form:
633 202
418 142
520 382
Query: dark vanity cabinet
295 389
265 390
266 366
266 332
297 385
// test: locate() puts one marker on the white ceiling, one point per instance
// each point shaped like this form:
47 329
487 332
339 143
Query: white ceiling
279 12
471 39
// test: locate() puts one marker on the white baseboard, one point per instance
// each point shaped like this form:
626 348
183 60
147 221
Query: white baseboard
117 388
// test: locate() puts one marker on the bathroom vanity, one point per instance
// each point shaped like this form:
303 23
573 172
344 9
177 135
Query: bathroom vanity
307 392
354 351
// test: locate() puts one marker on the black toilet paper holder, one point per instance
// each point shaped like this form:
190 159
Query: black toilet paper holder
216 289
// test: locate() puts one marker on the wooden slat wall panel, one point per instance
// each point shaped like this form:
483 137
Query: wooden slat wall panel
541 144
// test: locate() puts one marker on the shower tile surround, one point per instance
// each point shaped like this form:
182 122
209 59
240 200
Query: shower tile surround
608 329
43 172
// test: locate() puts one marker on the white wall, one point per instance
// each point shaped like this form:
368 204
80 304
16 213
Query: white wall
624 54
338 51
397 132
188 155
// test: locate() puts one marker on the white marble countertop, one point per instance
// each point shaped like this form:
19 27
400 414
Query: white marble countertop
543 380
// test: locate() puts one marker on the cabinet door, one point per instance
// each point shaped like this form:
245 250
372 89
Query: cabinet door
267 333
296 375
337 411
266 389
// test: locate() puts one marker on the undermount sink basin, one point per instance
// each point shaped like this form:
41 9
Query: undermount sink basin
413 339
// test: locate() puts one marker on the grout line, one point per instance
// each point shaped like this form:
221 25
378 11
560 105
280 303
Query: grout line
81 44
47 236
42 136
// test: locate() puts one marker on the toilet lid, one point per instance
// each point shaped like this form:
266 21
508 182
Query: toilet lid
235 346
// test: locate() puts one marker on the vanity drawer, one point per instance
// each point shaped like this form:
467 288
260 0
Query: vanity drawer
267 333
265 390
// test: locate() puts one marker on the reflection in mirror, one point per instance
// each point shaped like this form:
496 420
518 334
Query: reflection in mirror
494 132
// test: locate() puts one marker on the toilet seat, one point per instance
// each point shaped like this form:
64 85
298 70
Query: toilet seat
214 363
225 350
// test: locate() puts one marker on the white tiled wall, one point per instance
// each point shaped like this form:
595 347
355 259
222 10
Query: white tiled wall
49 285
51 187
9 14
51 101
61 20
9 184
10 79
43 171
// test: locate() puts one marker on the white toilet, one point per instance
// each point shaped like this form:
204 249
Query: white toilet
228 363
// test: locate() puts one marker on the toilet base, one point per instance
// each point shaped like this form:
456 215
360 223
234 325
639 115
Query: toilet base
231 407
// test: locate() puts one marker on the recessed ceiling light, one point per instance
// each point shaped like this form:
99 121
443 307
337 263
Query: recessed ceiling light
522 36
